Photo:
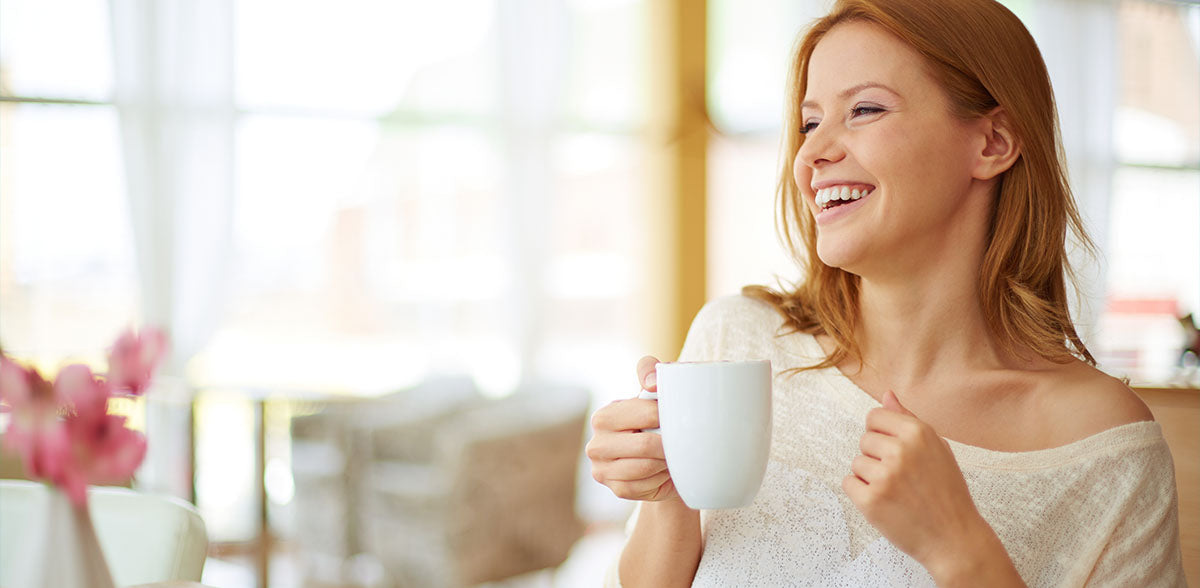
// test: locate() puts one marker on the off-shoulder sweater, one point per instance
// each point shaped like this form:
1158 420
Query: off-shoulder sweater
1101 511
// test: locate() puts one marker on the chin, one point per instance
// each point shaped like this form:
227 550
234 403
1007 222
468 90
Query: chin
840 255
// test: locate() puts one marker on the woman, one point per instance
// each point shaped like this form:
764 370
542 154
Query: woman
938 420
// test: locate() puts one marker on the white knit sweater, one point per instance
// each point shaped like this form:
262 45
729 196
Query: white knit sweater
1101 511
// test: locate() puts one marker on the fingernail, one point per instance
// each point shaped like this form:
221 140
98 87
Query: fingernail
651 380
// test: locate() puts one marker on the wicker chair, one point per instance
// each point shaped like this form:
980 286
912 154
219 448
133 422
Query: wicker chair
495 497
330 452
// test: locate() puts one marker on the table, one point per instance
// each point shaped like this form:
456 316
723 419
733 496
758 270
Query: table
261 398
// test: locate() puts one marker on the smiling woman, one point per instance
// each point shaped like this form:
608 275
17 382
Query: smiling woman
1127 75
920 135
939 420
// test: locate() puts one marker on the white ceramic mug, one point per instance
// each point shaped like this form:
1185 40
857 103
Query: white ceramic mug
715 421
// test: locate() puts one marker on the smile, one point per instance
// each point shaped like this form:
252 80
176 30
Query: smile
838 195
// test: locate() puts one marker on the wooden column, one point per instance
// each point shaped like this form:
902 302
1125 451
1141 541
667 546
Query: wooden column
677 144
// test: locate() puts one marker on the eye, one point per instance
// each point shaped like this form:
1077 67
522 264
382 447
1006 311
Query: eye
864 110
808 127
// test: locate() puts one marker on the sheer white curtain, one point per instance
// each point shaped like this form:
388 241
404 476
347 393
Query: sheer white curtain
533 66
173 71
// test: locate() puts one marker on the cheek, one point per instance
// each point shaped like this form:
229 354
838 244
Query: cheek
908 161
898 147
922 153
801 173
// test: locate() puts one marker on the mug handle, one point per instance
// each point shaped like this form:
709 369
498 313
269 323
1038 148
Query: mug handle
647 395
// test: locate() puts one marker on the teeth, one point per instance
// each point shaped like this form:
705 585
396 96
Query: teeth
827 195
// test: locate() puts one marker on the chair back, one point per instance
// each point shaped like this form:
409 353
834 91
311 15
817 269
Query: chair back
145 537
514 465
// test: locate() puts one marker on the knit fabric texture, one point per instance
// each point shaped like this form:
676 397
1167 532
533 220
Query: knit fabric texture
1101 511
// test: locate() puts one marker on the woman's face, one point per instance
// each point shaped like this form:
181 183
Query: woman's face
880 128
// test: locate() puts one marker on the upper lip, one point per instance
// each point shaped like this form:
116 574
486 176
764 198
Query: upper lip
831 183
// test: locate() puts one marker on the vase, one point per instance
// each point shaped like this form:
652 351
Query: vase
64 551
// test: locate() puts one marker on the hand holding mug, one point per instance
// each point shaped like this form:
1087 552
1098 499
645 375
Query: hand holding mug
625 458
714 440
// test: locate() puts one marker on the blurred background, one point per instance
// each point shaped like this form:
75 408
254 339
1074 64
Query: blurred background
403 249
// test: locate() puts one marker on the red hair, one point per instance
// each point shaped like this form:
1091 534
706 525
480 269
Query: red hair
982 56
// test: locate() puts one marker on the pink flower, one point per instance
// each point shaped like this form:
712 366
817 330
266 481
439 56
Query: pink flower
35 433
43 450
133 359
85 395
101 450
63 431
21 386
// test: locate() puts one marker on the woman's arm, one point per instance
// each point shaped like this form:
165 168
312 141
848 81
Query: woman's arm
908 485
979 560
664 548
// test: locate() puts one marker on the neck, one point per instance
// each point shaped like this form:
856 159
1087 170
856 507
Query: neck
925 324
914 336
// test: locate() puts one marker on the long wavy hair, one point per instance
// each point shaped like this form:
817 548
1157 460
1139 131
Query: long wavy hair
982 57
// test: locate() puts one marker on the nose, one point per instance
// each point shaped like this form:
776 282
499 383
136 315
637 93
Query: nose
821 146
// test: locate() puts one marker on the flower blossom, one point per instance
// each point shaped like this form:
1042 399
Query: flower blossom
102 449
35 433
133 359
63 432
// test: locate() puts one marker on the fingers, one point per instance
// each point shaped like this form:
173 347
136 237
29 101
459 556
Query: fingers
854 487
632 465
878 446
647 375
892 403
629 462
890 422
626 415
631 470
657 487
610 445
868 469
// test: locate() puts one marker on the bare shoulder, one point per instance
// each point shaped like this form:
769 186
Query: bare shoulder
1081 400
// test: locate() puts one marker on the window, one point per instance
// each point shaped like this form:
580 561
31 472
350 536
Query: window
1154 224
68 278
345 200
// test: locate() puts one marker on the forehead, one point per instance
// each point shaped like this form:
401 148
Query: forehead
856 52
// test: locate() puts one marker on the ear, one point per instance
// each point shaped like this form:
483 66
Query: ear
1000 145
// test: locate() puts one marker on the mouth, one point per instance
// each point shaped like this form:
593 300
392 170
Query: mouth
835 196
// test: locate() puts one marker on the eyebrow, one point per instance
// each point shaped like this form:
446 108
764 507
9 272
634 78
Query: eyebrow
848 92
